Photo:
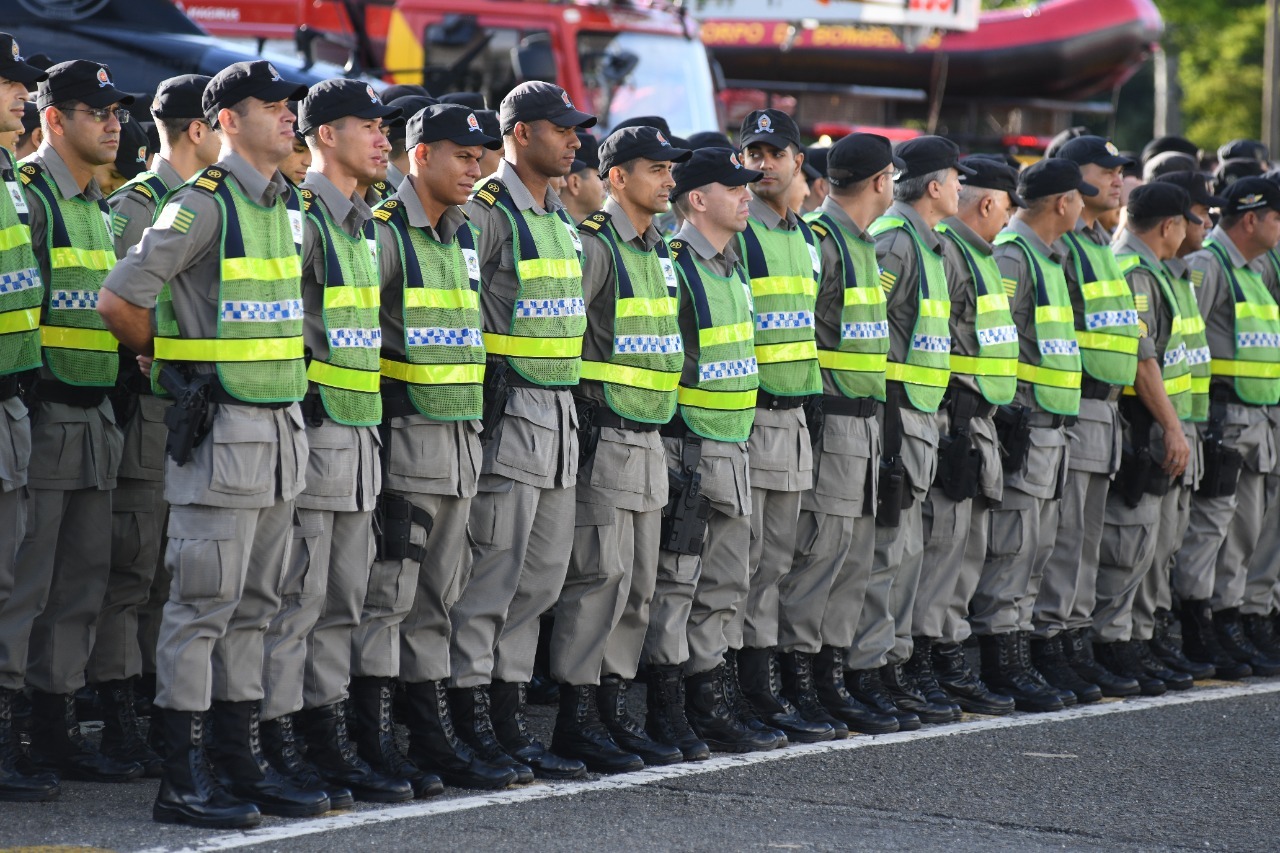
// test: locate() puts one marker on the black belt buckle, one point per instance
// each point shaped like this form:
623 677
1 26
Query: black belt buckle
850 407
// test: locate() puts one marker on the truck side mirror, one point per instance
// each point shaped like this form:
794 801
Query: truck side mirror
533 59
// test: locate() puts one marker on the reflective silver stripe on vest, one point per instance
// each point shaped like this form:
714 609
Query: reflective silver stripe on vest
359 338
1108 319
728 369
72 300
441 337
551 307
258 312
784 320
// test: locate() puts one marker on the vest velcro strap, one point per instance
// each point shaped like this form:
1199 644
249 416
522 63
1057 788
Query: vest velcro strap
727 401
862 362
549 268
433 374
351 297
69 257
496 344
783 285
347 378
229 349
1037 375
778 353
914 374
978 366
261 269
637 377
22 320
1245 369
1110 343
67 337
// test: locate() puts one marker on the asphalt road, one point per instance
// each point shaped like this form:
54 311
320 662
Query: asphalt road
1197 770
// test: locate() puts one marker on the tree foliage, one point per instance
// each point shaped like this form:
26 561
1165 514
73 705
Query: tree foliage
1220 49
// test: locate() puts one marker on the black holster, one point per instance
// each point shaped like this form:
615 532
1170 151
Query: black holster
893 493
1013 428
684 518
496 393
959 466
1139 473
588 430
814 418
190 418
393 520
1222 463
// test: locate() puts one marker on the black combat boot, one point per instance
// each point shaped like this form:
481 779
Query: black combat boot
1049 657
581 734
715 720
330 750
189 791
474 725
1122 659
1236 643
18 782
435 747
1079 648
235 750
372 711
741 706
828 674
866 686
907 696
121 732
952 671
282 748
58 744
1261 631
1155 667
666 720
919 669
625 730
1003 669
760 681
507 709
1169 651
799 689
1200 641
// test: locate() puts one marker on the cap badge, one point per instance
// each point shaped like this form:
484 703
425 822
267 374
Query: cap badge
1249 200
275 75
142 154
764 124
473 124
734 161
662 139
373 96
1112 149
103 80
564 96
17 55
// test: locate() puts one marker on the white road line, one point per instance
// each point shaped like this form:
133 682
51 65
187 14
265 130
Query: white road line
540 791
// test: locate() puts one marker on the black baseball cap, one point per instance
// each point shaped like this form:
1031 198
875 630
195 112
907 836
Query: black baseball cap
83 81
14 67
926 154
241 80
1160 200
858 156
1084 150
1169 161
131 156
708 139
404 90
330 100
712 166
30 117
1051 176
409 105
645 121
1255 193
1166 144
631 143
180 97
453 122
471 100
1196 185
1230 171
489 124
993 175
588 154
815 158
1238 149
536 100
772 126
1054 148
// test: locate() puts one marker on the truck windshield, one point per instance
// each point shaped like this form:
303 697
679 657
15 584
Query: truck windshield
670 77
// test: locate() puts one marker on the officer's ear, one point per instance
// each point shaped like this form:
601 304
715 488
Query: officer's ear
522 133
799 155
422 154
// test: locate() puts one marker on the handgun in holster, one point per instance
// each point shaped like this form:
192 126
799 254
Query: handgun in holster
892 494
959 466
393 520
190 418
1013 428
496 393
1222 463
814 418
684 518
588 430
1140 474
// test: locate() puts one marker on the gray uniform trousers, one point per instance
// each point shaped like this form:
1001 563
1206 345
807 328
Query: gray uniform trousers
1155 591
1223 532
693 614
521 527
308 644
231 513
1264 564
781 458
404 629
64 558
1067 589
1020 536
138 511
603 611
883 634
15 455
947 580
821 597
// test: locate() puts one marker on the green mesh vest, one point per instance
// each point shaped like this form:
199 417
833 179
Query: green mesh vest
349 381
259 350
1198 357
927 370
721 405
21 293
783 267
1255 365
1174 370
1055 376
443 345
857 364
642 374
1109 333
995 368
78 349
544 341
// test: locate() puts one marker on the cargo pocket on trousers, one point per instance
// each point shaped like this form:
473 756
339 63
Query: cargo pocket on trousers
130 522
308 531
489 523
1004 532
331 463
392 583
203 553
1127 537
530 437
595 542
243 455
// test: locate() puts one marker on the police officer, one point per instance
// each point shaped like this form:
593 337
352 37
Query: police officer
815 159
1110 348
1156 450
1244 340
926 191
700 590
309 645
521 522
822 594
984 362
632 359
398 157
20 316
62 564
783 266
584 189
1022 527
432 381
231 239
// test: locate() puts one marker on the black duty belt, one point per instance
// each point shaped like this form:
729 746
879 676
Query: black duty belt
395 401
674 428
1224 393
896 393
860 407
765 400
608 418
53 391
1048 420
1092 389
10 386
966 404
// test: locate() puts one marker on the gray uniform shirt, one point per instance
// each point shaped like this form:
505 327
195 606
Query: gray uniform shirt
132 212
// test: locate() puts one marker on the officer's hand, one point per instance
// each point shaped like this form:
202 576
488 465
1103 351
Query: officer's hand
1176 453
144 364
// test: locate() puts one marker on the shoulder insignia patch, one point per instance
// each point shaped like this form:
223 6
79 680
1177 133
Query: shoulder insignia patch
820 230
1010 286
175 216
385 210
1142 328
118 223
887 279
142 188
1141 302
1197 278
